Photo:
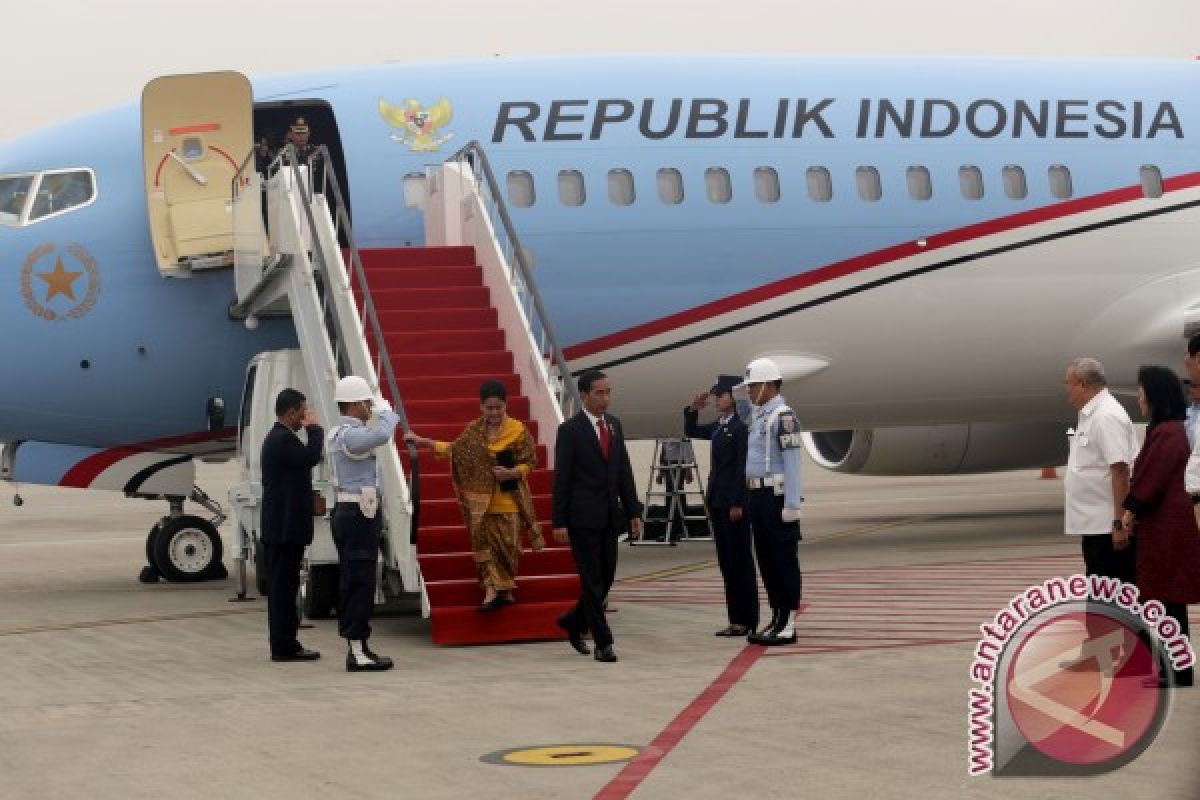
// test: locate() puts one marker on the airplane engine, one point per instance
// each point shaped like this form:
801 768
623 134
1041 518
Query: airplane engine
940 449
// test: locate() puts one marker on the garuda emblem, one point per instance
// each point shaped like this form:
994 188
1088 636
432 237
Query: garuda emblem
417 126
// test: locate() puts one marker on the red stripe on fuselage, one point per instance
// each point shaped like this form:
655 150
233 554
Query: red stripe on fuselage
82 474
887 255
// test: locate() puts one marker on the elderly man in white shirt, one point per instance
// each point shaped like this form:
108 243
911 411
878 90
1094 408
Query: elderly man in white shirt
1103 448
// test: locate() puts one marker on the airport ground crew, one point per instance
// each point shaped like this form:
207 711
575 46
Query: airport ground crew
773 498
357 518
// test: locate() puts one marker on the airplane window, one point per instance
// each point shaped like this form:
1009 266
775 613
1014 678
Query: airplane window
192 148
766 185
620 187
14 191
414 190
520 188
970 181
869 187
920 185
820 184
670 186
62 191
570 187
1060 181
1152 185
1014 182
717 184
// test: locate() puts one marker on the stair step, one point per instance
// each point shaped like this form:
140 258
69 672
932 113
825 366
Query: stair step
530 589
443 319
522 622
428 299
453 387
444 342
424 278
461 566
541 481
460 410
446 511
385 257
429 365
432 465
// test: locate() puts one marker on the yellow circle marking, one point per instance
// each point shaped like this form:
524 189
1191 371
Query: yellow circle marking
570 755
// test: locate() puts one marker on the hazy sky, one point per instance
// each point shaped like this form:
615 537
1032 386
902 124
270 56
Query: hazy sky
68 57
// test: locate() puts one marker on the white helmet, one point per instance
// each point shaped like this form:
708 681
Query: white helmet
352 389
762 370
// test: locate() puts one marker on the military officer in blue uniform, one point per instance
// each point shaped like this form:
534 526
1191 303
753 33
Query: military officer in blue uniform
773 497
367 422
726 500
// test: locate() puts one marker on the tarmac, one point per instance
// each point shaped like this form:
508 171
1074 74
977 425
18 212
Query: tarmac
114 689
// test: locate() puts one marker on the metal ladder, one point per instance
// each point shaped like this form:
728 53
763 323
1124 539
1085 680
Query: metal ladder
673 459
307 219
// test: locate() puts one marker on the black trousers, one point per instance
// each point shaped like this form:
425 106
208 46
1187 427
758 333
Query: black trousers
595 554
357 541
735 556
1100 558
1180 612
283 585
777 545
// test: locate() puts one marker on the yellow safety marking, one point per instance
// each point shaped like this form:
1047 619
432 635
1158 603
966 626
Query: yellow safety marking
569 755
882 526
670 571
104 623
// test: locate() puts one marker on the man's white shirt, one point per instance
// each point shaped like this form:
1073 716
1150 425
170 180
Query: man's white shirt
1103 436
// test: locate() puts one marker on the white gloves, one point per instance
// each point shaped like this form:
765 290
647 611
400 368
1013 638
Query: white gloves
791 515
380 405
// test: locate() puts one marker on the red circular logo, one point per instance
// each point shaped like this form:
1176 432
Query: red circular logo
1081 688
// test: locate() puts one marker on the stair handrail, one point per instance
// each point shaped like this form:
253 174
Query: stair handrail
330 186
473 156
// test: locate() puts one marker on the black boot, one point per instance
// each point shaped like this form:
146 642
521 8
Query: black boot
361 659
776 621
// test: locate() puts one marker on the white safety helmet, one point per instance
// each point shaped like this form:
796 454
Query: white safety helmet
352 389
762 370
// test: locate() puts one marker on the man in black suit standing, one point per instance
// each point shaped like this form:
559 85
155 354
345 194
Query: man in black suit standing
594 501
287 517
726 498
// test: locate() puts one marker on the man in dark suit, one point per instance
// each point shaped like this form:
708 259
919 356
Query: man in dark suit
726 498
287 517
594 501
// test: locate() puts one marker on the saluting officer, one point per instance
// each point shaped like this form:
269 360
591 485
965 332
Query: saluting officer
298 135
774 497
726 499
357 523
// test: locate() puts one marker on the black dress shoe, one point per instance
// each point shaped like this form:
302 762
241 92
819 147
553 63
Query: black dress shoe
733 630
605 654
299 655
495 604
576 639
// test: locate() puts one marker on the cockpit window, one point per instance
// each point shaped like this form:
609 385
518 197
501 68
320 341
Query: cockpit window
25 199
14 192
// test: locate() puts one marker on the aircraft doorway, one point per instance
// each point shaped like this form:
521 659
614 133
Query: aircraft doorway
273 121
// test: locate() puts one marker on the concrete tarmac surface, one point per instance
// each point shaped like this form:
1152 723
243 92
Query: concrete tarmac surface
113 689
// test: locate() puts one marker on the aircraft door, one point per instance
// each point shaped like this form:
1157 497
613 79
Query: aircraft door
196 130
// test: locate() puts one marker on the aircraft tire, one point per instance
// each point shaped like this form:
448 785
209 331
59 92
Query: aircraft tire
188 549
320 591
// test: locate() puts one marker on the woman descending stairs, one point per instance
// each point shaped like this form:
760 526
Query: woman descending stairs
444 340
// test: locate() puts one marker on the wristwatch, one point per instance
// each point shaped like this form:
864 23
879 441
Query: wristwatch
1117 525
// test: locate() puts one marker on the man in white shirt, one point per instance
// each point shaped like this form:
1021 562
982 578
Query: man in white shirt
1102 451
1191 362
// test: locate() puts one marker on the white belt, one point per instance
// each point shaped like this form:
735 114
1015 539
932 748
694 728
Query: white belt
769 482
346 497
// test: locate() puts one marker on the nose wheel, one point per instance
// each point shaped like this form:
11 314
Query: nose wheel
184 548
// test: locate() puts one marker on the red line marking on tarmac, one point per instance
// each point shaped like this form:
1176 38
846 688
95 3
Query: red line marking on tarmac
800 650
634 772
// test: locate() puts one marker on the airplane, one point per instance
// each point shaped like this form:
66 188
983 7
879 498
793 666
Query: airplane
921 244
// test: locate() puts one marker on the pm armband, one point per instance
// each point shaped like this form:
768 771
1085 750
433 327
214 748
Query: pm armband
789 432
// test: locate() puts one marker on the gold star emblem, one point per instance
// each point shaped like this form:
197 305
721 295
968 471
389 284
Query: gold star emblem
59 281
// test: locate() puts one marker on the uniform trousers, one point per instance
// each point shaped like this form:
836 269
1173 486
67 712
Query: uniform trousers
595 552
357 541
777 545
735 556
283 585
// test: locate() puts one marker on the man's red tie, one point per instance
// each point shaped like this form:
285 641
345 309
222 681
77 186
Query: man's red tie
604 438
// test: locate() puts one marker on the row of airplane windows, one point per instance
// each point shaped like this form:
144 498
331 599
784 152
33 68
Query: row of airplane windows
718 184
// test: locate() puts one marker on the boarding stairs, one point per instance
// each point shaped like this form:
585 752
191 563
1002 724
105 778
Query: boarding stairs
427 325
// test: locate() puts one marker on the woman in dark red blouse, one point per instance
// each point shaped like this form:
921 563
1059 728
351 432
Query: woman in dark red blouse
1158 507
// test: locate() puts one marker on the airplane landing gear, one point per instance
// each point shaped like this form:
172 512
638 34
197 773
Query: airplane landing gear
184 548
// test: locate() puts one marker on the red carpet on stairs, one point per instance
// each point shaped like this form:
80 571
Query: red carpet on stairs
443 340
